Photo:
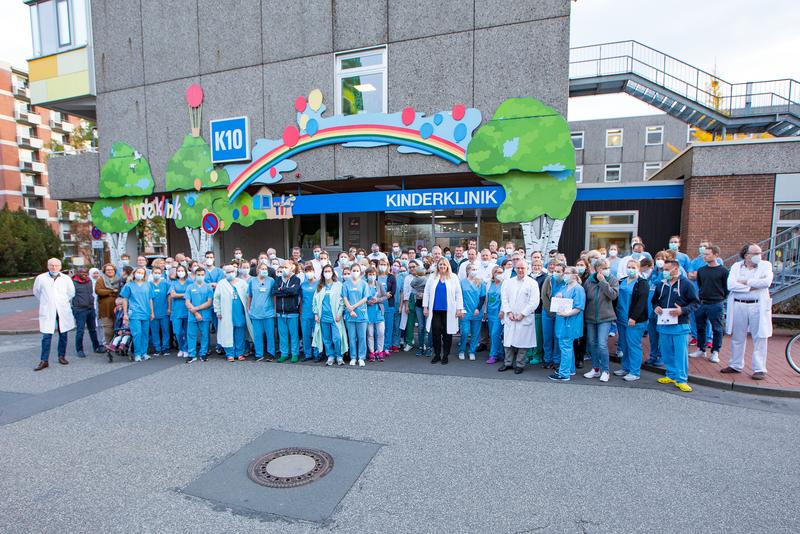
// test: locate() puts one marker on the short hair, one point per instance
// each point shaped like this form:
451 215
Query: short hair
645 262
714 249
745 248
672 261
675 237
200 270
209 252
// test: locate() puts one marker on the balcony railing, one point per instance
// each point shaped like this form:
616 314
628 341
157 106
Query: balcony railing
31 166
30 142
61 126
20 91
27 117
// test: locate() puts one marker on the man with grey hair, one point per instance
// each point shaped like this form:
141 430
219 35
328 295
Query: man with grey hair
520 298
54 292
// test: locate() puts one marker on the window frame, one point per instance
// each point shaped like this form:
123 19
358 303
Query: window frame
644 168
605 173
58 5
650 129
339 73
582 136
578 171
633 227
689 130
621 137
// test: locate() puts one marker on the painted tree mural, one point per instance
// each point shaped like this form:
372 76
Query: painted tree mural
109 217
190 168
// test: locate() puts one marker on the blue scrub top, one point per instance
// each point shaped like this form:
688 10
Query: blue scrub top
471 295
197 295
382 280
374 312
138 300
624 299
400 280
493 300
307 291
571 327
237 311
159 293
214 275
326 314
354 292
683 260
179 304
262 303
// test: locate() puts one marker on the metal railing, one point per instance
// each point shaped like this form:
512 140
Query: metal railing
697 85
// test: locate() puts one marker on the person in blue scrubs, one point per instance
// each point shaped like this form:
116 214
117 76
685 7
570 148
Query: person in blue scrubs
683 259
473 291
328 308
551 286
399 273
634 294
569 324
138 312
159 325
355 295
307 322
677 295
262 312
287 308
177 308
388 283
213 276
376 321
493 305
199 298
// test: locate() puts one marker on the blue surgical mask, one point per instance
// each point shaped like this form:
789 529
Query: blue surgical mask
606 272
344 262
448 255
371 278
666 275
701 250
355 275
287 273
139 276
200 278
316 255
263 274
53 274
631 273
557 277
404 263
636 255
359 257
660 264
125 263
581 269
230 276
673 246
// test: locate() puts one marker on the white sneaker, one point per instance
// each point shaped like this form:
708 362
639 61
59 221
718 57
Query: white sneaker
630 378
353 362
407 347
330 361
697 354
604 376
612 334
620 372
472 357
594 373
460 355
361 363
340 361
714 357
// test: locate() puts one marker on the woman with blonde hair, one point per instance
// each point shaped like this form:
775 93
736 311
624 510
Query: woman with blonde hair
443 306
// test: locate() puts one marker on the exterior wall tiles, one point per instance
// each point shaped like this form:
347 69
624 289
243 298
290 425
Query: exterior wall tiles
229 34
117 34
170 39
295 29
359 23
413 19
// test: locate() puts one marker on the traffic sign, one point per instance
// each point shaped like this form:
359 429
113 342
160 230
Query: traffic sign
210 223
96 233
230 139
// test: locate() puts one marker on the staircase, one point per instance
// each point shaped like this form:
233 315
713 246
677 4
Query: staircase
687 93
783 251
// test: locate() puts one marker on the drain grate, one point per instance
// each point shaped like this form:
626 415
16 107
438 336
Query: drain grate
290 467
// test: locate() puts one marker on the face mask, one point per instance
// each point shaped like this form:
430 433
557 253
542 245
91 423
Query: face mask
701 250
673 246
404 263
138 276
209 261
286 273
631 273
581 269
666 275
660 264
230 276
309 275
382 268
316 255
509 251
755 258
344 262
53 275
359 257
395 269
647 273
355 275
448 255
275 266
636 255
613 253
371 278
558 277
156 277
375 250
199 278
272 256
423 253
263 274
606 272
168 266
279 272
185 263
181 274
396 250
328 275
594 261
238 256
244 271
125 263
485 263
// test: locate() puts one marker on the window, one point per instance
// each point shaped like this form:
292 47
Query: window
577 140
613 172
654 135
614 138
785 217
650 168
605 228
361 82
691 135
578 174
35 37
62 12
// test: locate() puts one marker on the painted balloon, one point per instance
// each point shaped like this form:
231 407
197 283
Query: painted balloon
408 115
194 95
214 176
300 104
312 127
197 184
426 130
303 121
291 135
245 211
272 172
235 214
315 99
437 119
460 132
458 111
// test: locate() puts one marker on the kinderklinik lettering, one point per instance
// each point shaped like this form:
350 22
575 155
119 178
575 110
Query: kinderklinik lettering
441 199
155 207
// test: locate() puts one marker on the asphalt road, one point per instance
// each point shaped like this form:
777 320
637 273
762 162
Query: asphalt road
9 306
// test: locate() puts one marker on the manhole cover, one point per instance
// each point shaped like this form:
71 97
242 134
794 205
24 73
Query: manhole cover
289 468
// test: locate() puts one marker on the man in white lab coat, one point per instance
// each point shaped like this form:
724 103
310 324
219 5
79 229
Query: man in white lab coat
749 310
520 298
54 291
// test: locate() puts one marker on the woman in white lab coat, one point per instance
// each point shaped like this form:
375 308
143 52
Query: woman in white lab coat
443 306
54 291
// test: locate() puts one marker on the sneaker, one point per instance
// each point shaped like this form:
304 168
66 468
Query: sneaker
604 376
146 357
630 378
593 373
491 360
612 334
230 358
460 355
190 360
295 359
81 354
472 357
665 380
361 363
683 386
340 361
353 362
241 358
407 347
428 352
620 372
329 361
697 353
420 353
204 359
394 348
693 341
137 358
371 357
714 357
558 378
708 344
259 358
382 356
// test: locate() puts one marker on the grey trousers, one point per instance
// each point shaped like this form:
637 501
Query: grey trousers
520 354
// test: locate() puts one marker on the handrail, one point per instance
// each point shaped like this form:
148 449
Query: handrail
772 243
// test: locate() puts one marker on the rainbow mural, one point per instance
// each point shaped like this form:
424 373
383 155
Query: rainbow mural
444 135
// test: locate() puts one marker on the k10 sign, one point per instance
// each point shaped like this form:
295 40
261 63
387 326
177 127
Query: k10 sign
230 139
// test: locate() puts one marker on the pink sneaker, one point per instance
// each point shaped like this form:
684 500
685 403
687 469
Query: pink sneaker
380 356
371 357
491 360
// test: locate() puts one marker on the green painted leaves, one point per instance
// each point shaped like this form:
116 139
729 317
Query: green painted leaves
125 174
110 216
191 168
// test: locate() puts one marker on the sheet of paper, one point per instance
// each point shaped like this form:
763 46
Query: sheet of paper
559 304
666 318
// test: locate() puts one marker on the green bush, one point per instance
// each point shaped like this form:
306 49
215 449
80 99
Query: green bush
26 243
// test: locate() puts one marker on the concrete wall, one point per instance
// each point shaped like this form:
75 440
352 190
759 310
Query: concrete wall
254 57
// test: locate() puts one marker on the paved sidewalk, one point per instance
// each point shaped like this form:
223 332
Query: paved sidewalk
24 322
15 294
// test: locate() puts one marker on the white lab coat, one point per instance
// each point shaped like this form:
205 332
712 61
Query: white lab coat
223 303
55 296
519 296
757 287
455 301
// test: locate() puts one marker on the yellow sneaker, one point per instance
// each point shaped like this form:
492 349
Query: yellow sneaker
683 386
665 380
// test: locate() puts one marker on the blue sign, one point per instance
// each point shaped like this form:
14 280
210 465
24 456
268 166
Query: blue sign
230 139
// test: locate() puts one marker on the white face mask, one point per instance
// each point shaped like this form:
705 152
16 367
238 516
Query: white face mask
209 261
181 274
755 258
328 275
612 253
660 264
238 256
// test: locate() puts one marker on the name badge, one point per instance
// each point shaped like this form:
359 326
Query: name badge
262 289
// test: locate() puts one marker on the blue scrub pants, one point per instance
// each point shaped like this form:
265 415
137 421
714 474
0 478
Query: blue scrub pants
331 339
711 315
654 336
262 327
396 333
632 357
496 350
140 330
179 328
552 350
47 340
192 329
357 337
566 368
160 325
307 327
675 353
288 335
388 332
238 342
597 341
469 328
622 338
422 342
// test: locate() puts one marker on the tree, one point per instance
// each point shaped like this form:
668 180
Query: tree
109 217
27 243
193 207
125 174
190 168
527 149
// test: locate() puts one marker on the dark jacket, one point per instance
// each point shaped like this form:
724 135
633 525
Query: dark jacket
600 299
681 293
391 287
287 295
84 294
540 282
638 308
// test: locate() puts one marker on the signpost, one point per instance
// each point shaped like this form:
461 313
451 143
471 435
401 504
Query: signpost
230 139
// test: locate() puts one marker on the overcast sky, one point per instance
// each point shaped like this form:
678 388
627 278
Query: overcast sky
746 40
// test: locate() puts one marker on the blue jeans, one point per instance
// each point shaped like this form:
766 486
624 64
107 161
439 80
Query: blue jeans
263 327
710 314
632 357
179 327
192 329
62 345
469 328
140 331
238 342
287 335
307 326
396 334
496 339
622 339
552 351
675 353
653 335
597 341
388 321
357 337
423 341
331 339
566 368
693 327
85 318
160 324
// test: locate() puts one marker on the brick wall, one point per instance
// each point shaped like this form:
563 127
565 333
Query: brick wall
727 210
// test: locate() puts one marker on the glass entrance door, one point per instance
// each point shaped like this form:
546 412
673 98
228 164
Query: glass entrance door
409 228
455 227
